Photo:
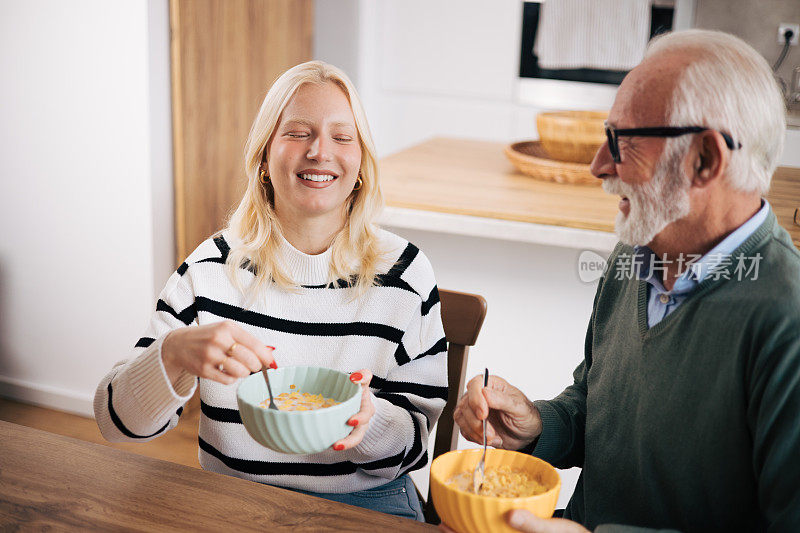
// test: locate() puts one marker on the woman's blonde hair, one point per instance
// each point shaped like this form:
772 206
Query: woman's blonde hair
356 254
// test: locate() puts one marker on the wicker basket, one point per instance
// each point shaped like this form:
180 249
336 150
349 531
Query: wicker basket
571 136
531 159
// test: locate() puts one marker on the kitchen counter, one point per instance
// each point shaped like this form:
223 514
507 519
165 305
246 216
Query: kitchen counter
470 188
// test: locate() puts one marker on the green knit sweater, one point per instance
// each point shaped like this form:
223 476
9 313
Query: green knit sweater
694 424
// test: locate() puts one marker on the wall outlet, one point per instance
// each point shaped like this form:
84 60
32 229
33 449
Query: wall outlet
782 27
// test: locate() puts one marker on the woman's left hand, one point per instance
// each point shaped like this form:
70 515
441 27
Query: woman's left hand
360 421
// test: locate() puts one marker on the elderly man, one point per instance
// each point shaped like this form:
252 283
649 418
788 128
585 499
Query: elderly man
685 412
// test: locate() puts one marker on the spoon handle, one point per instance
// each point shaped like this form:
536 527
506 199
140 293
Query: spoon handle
485 384
272 404
479 474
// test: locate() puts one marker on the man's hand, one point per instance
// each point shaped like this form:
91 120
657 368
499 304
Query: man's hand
527 522
513 421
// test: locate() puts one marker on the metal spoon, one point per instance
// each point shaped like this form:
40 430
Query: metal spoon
272 404
477 475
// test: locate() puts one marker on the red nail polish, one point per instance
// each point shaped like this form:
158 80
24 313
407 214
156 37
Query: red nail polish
356 376
273 365
338 447
353 423
271 347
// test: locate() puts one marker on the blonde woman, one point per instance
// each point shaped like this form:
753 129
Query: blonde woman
302 267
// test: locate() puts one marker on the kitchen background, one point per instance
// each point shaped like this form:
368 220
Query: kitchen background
86 194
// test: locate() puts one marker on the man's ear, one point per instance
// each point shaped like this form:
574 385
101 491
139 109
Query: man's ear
709 158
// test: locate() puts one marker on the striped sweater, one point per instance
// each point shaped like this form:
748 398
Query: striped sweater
394 330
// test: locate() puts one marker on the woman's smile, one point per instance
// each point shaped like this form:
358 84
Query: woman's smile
317 179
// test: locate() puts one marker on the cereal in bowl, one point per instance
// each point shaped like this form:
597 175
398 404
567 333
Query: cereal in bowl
500 482
300 401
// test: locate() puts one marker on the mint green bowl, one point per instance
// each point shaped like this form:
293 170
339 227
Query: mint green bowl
299 431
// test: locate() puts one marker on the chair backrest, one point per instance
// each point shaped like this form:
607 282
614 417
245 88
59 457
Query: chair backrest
462 318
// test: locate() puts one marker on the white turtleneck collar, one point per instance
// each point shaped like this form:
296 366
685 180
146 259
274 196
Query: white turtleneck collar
305 269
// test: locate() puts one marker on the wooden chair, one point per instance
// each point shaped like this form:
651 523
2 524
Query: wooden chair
462 317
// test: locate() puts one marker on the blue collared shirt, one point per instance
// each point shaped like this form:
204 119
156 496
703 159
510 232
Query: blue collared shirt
661 302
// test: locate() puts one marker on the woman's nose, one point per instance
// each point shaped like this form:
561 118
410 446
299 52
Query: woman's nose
319 150
603 164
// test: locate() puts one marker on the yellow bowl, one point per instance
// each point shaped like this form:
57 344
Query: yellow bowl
471 513
572 135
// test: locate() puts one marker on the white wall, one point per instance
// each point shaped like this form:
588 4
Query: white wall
160 142
336 38
77 260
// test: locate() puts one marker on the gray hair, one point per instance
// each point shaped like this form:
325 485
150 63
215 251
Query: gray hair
731 88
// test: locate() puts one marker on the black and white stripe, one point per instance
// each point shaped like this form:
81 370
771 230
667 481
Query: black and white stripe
121 427
395 331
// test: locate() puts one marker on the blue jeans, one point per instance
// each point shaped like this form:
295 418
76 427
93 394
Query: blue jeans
398 497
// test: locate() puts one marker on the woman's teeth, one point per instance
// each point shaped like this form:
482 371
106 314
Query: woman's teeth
317 177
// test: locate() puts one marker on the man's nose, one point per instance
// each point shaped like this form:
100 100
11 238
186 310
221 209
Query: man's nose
603 164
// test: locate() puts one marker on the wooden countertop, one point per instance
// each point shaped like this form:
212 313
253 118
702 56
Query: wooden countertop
49 481
784 197
475 179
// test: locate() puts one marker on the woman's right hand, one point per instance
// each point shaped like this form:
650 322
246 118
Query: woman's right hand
512 420
222 351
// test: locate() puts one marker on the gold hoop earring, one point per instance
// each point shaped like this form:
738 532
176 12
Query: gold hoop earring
359 182
264 177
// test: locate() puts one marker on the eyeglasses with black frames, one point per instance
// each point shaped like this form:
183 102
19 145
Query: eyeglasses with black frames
613 134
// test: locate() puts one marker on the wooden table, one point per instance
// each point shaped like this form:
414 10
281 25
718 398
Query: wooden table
51 481
465 179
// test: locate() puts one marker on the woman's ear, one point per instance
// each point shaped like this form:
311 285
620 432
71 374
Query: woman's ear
710 160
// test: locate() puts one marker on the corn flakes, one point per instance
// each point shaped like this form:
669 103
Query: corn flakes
299 401
500 482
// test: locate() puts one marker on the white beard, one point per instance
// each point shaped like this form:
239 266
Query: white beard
654 204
